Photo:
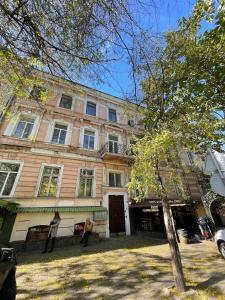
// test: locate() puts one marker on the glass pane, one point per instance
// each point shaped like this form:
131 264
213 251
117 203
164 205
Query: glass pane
2 180
91 109
47 170
111 179
19 129
53 186
91 142
118 180
62 137
112 115
9 167
86 141
59 126
43 191
110 146
28 129
55 136
66 102
88 187
9 184
89 172
26 119
81 187
88 132
55 171
115 147
113 138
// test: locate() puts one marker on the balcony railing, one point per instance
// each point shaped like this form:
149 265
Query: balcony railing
113 148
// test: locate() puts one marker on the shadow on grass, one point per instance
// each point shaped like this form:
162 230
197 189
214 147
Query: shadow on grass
126 273
95 247
120 283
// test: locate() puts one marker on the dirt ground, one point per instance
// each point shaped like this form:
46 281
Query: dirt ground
120 268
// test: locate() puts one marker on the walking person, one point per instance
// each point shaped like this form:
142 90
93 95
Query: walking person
54 224
203 227
88 226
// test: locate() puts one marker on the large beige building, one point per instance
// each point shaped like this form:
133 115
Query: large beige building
71 155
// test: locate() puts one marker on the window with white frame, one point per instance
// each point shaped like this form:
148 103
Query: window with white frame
59 134
49 181
8 175
66 101
113 143
24 127
89 139
91 108
86 182
115 179
112 115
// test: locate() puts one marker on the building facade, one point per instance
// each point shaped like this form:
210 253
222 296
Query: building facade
71 155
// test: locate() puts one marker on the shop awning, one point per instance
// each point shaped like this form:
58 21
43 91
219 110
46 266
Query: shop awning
61 209
8 205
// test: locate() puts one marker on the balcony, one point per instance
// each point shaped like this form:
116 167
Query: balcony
114 150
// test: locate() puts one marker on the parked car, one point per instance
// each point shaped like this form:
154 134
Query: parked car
7 274
220 241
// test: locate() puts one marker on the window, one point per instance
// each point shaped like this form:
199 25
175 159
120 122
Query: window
86 183
131 123
115 179
89 139
91 109
24 128
190 157
59 134
112 115
8 174
49 182
66 101
37 92
113 143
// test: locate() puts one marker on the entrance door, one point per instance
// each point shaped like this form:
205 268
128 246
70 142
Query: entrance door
116 214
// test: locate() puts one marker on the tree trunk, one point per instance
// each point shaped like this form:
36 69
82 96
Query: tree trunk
174 249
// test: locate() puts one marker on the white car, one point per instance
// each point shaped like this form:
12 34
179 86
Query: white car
220 241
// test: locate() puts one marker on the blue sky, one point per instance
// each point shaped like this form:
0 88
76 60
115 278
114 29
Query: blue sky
163 16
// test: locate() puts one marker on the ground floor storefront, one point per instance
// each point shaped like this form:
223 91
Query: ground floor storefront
148 216
33 223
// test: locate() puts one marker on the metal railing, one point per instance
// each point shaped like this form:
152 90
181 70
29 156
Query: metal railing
115 148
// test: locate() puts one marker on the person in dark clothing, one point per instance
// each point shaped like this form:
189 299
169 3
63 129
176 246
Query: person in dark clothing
54 224
87 231
203 227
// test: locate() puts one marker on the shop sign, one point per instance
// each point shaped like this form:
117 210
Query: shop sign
156 203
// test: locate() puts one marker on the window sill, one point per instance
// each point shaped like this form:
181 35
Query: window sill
55 144
85 197
86 149
67 109
114 187
18 139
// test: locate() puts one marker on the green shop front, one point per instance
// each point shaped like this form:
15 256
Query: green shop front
7 219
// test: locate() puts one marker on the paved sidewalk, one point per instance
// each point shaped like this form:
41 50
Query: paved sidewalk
120 268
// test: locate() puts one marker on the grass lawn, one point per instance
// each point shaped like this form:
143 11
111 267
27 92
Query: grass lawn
120 268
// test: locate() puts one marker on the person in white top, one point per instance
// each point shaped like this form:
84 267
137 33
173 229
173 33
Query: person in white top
54 225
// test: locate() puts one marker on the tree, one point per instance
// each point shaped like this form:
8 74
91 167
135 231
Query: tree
72 39
183 104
